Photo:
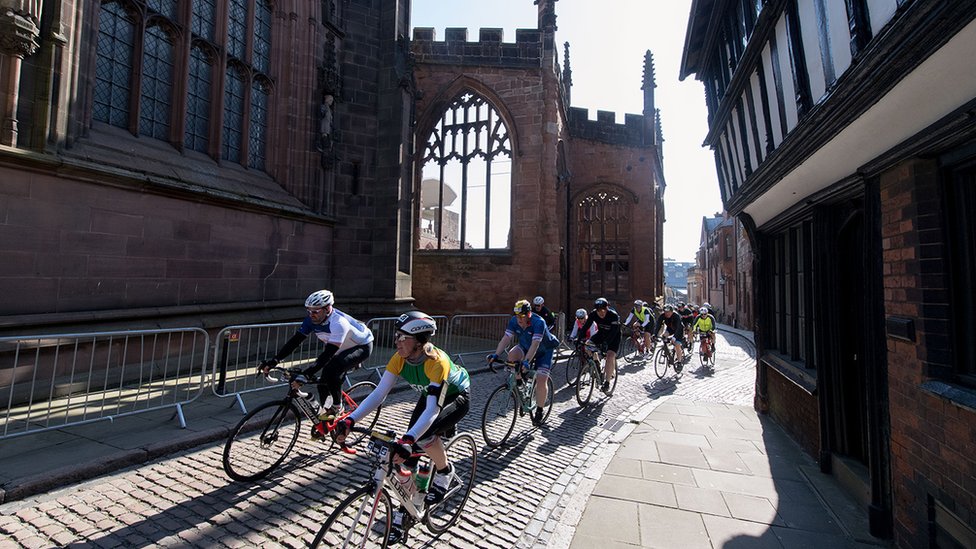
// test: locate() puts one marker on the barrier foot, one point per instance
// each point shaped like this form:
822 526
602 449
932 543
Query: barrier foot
179 414
240 403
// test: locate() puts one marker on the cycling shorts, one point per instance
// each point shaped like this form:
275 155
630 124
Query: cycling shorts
542 363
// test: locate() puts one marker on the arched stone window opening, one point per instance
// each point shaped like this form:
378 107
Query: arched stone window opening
466 189
603 244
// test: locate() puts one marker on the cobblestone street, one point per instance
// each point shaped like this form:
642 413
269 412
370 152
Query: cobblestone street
522 489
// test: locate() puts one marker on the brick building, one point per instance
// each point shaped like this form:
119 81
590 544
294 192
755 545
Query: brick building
562 206
844 136
724 270
172 163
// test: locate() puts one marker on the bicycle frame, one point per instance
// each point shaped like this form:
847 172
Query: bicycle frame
295 394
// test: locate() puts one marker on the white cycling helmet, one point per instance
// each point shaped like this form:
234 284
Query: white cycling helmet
419 325
638 303
538 300
581 313
321 298
706 305
703 311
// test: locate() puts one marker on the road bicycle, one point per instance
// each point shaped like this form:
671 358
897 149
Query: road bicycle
633 349
706 350
591 375
364 518
249 456
664 358
511 400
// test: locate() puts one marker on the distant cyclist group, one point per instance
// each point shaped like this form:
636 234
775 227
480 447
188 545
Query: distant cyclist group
526 347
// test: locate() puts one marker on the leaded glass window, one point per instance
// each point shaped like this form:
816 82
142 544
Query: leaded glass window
258 129
237 28
233 114
262 36
197 135
602 239
166 8
157 84
204 16
466 188
113 65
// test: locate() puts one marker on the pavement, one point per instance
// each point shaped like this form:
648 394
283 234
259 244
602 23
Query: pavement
692 466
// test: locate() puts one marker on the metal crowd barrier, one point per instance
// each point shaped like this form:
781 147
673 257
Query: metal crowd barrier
471 338
52 381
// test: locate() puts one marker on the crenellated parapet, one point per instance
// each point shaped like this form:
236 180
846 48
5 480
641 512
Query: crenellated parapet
606 129
489 50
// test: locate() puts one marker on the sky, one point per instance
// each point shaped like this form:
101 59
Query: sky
607 42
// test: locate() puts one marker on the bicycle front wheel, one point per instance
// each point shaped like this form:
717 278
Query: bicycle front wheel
362 520
248 455
462 454
573 365
498 419
660 363
355 396
585 383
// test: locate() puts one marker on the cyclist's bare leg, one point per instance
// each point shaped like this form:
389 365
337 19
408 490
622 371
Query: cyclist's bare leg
437 453
647 340
541 389
610 366
515 354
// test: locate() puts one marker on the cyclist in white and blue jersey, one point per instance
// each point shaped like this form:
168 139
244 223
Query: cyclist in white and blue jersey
348 343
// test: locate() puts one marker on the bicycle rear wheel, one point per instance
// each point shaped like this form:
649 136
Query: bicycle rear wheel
585 383
353 397
660 363
573 365
462 453
498 419
248 455
627 350
362 520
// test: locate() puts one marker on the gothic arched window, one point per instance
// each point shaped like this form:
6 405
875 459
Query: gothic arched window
161 31
157 83
113 65
603 243
466 183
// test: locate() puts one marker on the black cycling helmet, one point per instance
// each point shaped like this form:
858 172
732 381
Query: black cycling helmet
417 324
601 303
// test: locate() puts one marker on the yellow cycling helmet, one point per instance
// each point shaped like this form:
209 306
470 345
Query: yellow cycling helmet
522 307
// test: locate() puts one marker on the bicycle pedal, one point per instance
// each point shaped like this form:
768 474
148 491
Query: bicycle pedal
348 450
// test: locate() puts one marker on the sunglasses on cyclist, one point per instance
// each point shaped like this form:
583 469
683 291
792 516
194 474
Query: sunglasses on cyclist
397 338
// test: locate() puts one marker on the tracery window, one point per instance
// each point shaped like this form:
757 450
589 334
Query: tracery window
466 189
148 82
603 243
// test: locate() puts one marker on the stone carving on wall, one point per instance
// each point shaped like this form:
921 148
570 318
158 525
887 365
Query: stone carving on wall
20 31
329 85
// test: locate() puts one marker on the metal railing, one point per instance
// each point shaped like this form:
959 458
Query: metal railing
52 381
470 338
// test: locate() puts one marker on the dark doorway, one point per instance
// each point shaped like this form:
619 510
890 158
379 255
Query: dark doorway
850 433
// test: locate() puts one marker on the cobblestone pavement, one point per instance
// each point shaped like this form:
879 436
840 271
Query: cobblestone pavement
523 489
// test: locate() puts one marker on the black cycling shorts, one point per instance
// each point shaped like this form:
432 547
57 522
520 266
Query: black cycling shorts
612 342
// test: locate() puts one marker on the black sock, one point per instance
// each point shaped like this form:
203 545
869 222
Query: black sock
444 471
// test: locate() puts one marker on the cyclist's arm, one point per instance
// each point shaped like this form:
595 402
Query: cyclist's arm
376 397
629 317
290 346
572 335
503 344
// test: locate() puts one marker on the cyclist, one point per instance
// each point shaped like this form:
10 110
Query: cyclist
687 315
444 399
705 324
672 323
348 343
641 314
608 333
578 325
534 345
539 308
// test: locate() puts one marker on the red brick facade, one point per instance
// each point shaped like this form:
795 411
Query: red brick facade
933 438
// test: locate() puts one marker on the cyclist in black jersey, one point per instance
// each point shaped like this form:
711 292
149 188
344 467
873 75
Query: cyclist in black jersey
539 308
672 322
608 333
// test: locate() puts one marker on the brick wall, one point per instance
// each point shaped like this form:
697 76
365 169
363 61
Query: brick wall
795 410
933 441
